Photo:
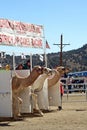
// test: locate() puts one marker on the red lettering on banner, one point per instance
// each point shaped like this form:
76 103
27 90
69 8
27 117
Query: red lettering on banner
40 42
17 26
38 30
27 42
16 40
22 41
0 39
36 42
35 29
11 25
4 23
20 27
32 29
8 40
21 34
4 38
23 26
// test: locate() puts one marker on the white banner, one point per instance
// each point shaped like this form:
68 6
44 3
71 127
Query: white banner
14 33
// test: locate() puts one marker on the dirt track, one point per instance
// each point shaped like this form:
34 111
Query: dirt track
72 117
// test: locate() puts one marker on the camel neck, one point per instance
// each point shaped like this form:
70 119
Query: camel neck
31 78
38 84
52 81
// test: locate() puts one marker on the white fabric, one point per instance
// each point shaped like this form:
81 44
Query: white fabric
5 94
43 96
54 95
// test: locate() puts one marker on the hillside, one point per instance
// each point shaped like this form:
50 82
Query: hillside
75 59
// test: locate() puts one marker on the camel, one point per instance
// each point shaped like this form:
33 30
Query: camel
53 81
20 83
37 86
59 71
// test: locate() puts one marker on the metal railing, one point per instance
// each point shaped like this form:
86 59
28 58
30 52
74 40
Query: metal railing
74 91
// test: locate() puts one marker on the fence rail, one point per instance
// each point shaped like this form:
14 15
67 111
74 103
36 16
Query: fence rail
74 92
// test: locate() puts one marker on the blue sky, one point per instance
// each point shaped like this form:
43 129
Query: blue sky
67 17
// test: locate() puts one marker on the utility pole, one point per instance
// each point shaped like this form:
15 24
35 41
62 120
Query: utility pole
61 48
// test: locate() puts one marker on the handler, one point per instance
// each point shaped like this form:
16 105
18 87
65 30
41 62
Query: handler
61 94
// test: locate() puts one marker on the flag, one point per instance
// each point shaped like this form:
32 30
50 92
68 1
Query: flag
2 55
47 45
41 57
23 56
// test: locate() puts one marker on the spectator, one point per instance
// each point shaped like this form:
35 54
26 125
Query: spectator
61 90
27 65
69 82
7 67
65 75
19 67
61 94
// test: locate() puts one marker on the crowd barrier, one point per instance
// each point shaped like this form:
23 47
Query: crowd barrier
73 88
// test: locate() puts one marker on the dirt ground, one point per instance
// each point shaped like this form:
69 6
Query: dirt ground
72 117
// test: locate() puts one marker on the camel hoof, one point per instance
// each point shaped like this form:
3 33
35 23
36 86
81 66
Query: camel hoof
59 108
41 114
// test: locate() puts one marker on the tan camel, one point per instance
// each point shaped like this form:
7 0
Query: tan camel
37 86
20 83
53 80
59 71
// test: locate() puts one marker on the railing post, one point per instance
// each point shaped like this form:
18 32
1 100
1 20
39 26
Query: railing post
86 90
67 92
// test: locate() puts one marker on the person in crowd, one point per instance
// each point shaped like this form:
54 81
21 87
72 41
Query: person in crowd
19 67
7 67
65 75
61 94
69 82
27 65
61 90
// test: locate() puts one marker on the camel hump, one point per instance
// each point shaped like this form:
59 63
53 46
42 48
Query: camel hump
18 75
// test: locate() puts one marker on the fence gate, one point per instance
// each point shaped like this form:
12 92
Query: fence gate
5 94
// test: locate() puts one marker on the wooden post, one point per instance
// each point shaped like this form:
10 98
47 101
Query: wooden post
61 48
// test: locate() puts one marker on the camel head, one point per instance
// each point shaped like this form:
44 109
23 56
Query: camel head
38 69
47 71
61 69
41 70
67 70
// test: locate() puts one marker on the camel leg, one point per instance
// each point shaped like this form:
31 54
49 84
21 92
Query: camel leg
36 107
16 106
19 105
